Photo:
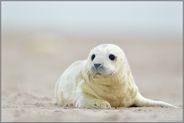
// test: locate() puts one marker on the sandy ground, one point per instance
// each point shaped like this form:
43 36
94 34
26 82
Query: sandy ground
31 64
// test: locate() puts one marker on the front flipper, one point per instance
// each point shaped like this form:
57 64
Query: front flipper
89 102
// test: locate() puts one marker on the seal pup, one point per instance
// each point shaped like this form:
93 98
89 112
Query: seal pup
103 80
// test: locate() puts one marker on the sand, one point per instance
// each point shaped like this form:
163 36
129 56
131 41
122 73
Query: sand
31 64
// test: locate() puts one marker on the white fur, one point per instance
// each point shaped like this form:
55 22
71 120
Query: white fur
113 86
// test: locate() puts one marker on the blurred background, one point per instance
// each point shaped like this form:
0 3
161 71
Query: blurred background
41 39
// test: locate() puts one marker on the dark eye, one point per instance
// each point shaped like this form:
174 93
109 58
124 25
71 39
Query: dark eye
92 57
112 57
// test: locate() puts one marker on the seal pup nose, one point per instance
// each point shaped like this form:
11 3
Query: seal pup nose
97 65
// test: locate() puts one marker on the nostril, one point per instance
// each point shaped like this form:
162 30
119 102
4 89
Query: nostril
97 65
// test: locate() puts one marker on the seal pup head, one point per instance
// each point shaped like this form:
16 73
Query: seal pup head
105 60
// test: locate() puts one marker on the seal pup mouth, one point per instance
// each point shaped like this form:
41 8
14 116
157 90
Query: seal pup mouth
98 74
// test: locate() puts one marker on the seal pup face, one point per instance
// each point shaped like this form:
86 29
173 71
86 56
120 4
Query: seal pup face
105 60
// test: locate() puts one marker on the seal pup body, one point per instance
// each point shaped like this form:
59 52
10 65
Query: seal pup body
103 80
